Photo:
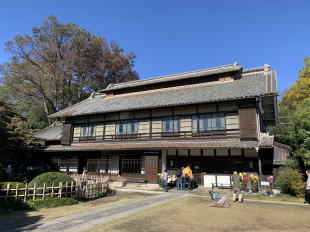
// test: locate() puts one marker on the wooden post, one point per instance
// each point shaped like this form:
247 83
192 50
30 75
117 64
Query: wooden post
16 192
259 172
60 190
71 188
43 194
52 194
34 191
7 191
26 192
66 190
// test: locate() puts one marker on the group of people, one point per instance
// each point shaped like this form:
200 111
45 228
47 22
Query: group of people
184 179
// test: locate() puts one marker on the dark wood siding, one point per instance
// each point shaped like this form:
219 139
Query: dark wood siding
66 134
151 168
248 123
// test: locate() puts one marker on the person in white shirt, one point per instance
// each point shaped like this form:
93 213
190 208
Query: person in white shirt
164 177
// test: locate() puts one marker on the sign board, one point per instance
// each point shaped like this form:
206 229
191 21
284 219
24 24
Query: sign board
264 183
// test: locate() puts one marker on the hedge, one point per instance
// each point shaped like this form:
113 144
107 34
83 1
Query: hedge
51 203
3 185
49 178
18 204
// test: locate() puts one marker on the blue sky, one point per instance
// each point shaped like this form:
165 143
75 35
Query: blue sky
171 36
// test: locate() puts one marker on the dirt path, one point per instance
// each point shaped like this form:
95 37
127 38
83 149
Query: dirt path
88 219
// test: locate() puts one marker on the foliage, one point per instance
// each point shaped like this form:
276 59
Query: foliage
18 204
49 178
14 137
291 163
3 185
295 109
51 202
254 185
59 65
296 132
290 182
3 175
299 91
14 204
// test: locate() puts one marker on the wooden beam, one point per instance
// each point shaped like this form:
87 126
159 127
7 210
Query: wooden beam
259 171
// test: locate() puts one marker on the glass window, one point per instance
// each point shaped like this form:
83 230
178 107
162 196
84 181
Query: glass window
195 124
171 124
88 130
205 122
218 121
132 127
209 122
127 128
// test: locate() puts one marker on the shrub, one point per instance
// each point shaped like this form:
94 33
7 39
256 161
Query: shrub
3 185
51 203
3 175
18 204
291 163
49 178
14 204
290 182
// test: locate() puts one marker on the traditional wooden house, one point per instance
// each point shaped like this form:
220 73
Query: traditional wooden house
217 120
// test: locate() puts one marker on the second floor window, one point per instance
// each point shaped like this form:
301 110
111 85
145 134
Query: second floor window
208 122
127 128
88 130
171 124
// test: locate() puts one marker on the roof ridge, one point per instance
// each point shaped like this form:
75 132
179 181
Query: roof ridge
169 76
171 88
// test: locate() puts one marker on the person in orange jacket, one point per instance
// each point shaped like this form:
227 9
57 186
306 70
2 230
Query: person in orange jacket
188 176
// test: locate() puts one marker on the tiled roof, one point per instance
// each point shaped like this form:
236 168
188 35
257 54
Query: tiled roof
174 77
253 83
53 132
155 145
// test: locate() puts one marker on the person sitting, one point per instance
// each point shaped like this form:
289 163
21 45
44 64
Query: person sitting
218 200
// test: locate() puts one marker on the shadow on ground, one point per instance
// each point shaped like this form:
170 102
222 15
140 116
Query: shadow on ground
19 221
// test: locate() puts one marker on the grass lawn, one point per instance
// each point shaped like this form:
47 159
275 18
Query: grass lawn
194 214
228 194
283 199
20 218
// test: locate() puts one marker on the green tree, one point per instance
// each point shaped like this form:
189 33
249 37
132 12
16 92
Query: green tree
299 92
10 139
295 110
59 65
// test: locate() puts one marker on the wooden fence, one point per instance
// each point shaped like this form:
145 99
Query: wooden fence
90 178
74 190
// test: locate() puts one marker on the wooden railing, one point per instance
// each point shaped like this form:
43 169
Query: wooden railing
232 133
74 190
